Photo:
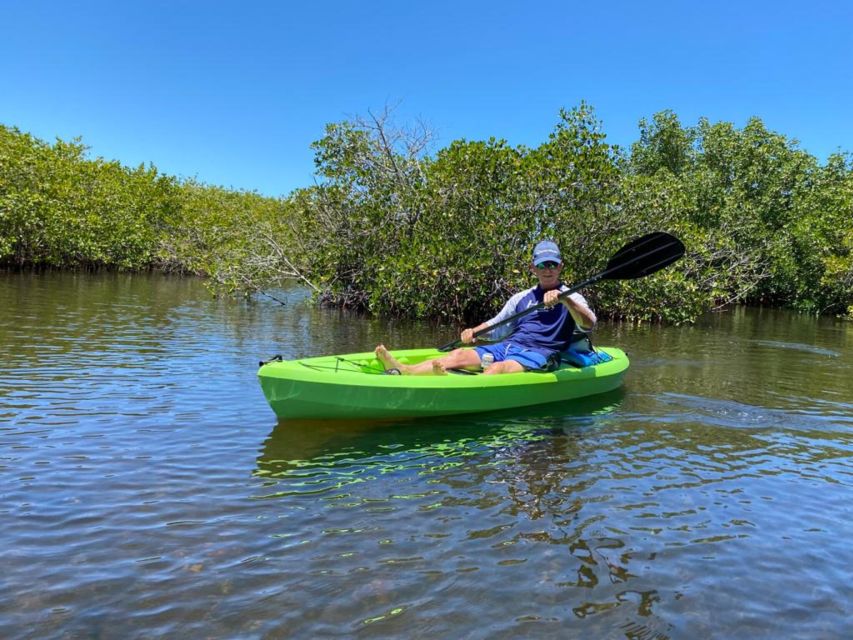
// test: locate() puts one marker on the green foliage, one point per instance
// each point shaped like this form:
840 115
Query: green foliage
664 145
823 232
449 236
59 209
773 223
392 228
395 231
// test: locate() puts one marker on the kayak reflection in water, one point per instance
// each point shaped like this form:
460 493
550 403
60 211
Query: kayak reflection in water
527 344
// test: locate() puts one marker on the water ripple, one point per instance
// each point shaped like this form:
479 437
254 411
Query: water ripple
149 492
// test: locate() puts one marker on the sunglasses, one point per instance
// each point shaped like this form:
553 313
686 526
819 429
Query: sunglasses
547 265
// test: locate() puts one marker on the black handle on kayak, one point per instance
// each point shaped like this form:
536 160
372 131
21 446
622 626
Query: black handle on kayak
637 259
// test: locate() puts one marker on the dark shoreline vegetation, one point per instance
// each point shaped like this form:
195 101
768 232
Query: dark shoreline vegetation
393 227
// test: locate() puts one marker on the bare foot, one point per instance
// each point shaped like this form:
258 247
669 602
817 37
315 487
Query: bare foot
425 368
388 361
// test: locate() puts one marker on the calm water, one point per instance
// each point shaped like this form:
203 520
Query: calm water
146 489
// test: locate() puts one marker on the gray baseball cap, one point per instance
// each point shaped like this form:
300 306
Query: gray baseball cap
546 251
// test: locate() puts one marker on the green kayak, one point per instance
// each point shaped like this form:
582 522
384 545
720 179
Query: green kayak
354 386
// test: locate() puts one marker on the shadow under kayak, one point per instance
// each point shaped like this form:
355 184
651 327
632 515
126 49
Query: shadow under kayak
353 386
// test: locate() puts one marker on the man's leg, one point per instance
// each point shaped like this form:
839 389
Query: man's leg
507 366
456 359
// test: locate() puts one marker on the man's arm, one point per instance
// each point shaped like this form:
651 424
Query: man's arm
509 309
584 317
576 304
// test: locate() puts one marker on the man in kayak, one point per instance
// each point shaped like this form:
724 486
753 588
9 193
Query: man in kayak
529 342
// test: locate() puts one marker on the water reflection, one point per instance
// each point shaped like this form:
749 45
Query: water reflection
298 445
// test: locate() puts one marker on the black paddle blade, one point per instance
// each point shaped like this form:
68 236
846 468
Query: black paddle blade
644 256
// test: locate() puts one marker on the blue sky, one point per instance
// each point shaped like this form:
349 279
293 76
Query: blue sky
233 93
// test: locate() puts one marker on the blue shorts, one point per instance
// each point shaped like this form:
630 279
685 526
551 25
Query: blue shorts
526 357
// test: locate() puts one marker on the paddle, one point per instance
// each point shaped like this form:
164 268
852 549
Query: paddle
637 259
